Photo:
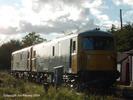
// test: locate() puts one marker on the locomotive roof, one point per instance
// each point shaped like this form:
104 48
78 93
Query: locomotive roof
86 33
21 50
95 33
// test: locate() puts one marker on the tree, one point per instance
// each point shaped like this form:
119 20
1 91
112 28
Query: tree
113 28
5 52
124 37
31 39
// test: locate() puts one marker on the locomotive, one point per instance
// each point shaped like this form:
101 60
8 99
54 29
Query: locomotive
85 59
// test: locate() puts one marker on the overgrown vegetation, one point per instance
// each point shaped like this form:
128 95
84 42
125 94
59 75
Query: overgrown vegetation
15 89
124 37
9 86
69 94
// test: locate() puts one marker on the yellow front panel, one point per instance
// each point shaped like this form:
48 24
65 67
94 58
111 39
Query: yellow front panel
97 61
100 62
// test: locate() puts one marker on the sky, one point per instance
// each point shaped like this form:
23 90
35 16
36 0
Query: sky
52 18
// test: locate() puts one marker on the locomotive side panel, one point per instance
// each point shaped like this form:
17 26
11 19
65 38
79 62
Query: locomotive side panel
64 54
50 55
20 60
41 57
53 54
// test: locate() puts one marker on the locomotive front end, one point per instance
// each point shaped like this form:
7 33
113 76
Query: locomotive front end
97 59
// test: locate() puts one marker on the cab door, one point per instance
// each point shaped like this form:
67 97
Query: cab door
73 47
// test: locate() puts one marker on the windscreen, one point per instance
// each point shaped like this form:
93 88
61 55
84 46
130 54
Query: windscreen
98 43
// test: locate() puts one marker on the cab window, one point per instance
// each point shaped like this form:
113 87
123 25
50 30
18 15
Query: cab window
73 46
53 51
98 43
88 43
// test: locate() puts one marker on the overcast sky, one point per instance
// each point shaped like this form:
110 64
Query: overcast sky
53 17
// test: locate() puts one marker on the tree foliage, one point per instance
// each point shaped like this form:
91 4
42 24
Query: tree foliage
31 39
124 37
5 52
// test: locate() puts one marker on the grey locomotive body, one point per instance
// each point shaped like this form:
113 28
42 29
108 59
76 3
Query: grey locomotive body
90 56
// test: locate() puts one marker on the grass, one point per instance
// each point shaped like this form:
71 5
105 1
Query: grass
70 94
15 88
24 90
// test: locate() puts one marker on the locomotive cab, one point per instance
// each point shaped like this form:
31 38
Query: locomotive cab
97 58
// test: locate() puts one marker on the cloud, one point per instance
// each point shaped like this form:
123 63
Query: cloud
122 2
96 8
127 16
44 16
9 30
5 37
129 2
47 16
57 26
9 16
58 3
117 2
